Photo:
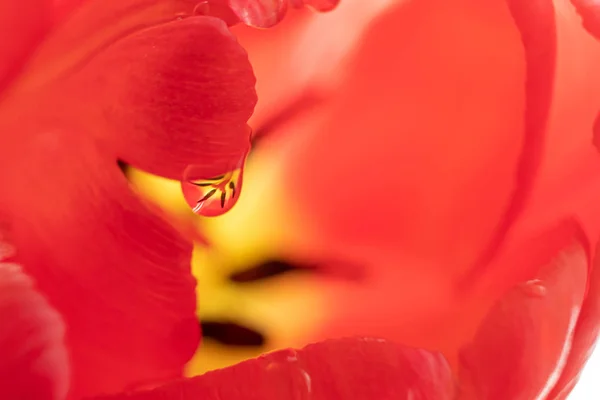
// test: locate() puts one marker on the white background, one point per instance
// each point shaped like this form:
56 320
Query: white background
588 387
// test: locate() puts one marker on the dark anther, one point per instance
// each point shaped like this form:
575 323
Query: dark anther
264 271
207 195
202 184
123 166
215 178
231 334
223 196
232 187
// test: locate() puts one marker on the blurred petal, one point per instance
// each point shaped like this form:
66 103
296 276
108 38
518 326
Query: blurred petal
20 33
33 358
568 183
590 13
422 125
585 336
358 369
537 26
307 51
521 348
118 274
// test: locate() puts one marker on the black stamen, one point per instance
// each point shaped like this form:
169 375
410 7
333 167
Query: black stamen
208 195
223 195
231 334
202 184
232 187
265 270
215 178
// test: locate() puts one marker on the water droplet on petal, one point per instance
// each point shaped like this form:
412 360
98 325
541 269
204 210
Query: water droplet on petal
289 376
212 196
535 288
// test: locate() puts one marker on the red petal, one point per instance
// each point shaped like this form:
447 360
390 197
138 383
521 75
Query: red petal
188 80
586 334
358 369
118 274
430 114
317 48
536 23
33 358
523 343
139 73
590 13
262 13
568 183
20 32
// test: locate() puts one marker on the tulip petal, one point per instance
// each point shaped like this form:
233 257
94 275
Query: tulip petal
568 172
143 72
537 26
20 32
33 358
589 10
585 336
188 80
319 5
423 125
358 369
117 272
590 13
522 345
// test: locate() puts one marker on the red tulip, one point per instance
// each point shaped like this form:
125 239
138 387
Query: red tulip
439 160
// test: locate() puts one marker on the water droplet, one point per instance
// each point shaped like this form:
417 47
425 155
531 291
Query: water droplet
535 288
291 380
212 196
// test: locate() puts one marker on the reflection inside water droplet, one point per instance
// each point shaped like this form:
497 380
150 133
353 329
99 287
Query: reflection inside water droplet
212 196
535 288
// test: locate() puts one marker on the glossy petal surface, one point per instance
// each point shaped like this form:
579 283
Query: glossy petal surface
522 346
142 80
117 273
585 336
359 369
33 361
568 170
